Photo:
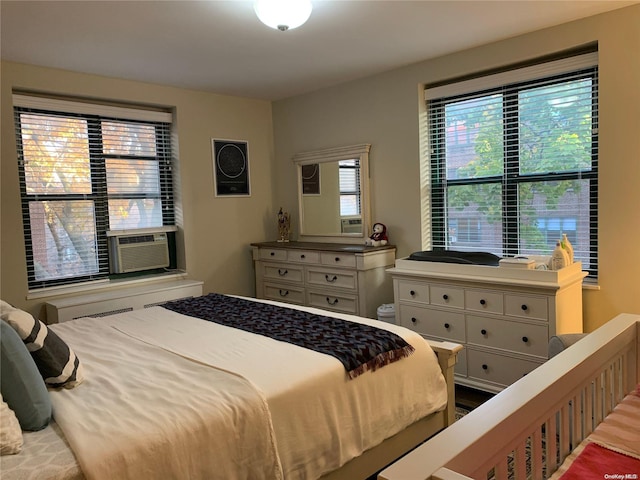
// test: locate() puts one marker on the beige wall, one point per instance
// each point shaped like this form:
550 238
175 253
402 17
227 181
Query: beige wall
216 231
383 110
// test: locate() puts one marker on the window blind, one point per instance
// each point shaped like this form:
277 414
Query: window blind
513 161
85 169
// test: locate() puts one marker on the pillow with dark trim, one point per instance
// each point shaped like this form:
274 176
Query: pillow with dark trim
21 384
57 363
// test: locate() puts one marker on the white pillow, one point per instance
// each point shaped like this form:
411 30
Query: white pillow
10 431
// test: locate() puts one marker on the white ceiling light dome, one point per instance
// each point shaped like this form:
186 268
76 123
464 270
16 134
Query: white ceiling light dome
283 15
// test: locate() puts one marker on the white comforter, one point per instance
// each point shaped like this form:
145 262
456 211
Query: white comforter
319 418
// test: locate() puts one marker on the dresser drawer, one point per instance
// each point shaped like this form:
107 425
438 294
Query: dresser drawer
493 368
413 291
433 323
284 272
303 256
339 302
273 254
508 335
525 306
484 301
284 293
338 259
332 278
446 296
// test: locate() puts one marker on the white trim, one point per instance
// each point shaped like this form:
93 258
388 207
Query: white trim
69 106
513 76
142 231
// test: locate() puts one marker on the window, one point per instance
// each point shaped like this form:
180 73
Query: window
513 161
85 169
349 171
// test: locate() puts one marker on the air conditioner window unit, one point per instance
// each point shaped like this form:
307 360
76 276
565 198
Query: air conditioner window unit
351 225
136 252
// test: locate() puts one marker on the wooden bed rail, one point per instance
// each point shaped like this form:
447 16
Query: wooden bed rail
542 417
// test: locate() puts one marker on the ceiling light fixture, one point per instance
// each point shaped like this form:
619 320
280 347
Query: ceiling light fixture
283 15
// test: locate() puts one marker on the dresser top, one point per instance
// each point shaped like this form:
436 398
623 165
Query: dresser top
326 247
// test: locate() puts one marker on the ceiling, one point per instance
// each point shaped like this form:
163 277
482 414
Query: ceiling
221 47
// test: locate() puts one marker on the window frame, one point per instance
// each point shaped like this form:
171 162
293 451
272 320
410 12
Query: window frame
94 115
435 221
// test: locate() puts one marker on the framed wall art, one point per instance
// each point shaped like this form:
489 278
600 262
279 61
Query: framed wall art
310 179
230 168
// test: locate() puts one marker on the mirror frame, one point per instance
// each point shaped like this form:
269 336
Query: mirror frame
351 152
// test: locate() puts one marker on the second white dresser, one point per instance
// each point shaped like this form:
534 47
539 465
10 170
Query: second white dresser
345 278
503 317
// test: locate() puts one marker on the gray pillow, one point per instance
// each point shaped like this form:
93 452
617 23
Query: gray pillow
21 384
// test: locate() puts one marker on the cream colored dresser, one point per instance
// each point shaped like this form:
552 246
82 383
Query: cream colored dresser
503 317
345 278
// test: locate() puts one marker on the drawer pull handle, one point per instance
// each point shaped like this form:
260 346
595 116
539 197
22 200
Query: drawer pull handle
445 297
414 320
485 366
272 253
337 259
330 280
302 257
284 293
412 293
446 325
524 308
334 302
483 302
483 331
281 273
525 339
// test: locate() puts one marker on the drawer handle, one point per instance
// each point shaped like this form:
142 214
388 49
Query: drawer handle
272 253
335 301
524 308
485 366
330 280
302 257
483 331
446 325
412 293
483 302
445 297
281 273
284 293
525 339
414 320
337 259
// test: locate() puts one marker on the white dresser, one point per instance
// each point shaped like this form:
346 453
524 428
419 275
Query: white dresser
345 278
503 317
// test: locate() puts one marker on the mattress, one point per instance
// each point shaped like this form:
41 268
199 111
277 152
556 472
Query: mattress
319 418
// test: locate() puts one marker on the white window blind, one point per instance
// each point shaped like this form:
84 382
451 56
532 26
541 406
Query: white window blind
85 169
514 161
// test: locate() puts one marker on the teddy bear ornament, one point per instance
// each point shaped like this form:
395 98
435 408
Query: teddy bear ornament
379 236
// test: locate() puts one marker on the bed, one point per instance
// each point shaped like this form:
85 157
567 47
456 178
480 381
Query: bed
536 427
230 403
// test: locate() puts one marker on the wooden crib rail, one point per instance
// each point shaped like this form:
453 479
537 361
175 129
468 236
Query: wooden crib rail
530 427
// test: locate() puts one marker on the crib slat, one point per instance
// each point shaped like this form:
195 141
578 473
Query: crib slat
520 462
536 455
502 469
551 444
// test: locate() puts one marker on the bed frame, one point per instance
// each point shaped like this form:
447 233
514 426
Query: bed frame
377 458
549 412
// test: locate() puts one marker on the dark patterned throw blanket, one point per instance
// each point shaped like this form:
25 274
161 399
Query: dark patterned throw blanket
359 347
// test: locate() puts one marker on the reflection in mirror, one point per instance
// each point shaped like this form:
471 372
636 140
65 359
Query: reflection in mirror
333 198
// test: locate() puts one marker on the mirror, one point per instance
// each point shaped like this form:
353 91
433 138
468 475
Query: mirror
333 192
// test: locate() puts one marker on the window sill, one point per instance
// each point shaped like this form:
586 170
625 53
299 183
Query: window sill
102 285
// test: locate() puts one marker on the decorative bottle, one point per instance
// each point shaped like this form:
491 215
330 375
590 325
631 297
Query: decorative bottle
566 244
559 257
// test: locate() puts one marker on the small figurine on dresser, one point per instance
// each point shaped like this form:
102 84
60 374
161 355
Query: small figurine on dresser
284 226
379 236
